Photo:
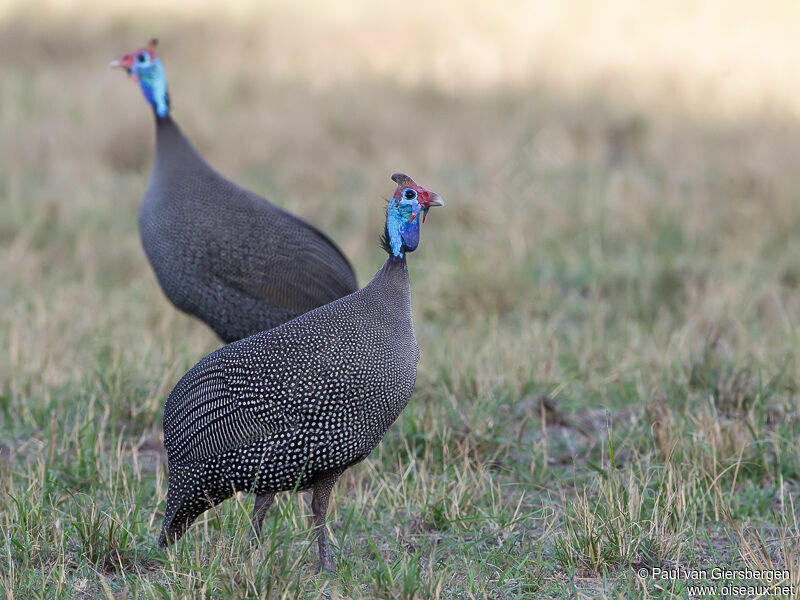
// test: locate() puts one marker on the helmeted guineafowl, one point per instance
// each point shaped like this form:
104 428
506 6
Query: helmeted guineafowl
293 407
220 252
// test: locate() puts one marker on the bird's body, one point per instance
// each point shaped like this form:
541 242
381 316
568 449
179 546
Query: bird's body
293 407
226 255
274 411
220 252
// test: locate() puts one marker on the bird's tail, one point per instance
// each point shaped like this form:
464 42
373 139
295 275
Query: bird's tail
187 499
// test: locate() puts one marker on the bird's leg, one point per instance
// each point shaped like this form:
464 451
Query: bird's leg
260 508
319 506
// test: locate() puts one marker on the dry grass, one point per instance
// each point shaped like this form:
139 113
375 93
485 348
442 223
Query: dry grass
620 236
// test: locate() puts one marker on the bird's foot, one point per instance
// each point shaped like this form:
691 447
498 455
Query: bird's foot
253 542
326 568
326 565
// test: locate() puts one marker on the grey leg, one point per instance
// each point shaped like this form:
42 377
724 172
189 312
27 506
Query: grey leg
260 508
319 506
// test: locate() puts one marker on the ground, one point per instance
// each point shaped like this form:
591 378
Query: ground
608 306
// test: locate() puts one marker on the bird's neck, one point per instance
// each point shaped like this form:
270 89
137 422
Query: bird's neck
173 151
393 280
393 265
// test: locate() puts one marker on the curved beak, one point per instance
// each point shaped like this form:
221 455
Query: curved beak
123 62
433 200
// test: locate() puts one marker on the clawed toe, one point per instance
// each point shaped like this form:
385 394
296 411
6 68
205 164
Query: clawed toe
326 567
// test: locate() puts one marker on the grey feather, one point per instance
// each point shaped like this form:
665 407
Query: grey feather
292 407
225 254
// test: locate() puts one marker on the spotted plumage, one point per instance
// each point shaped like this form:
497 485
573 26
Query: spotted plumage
293 407
221 252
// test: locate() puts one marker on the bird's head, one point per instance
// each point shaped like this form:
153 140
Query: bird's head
144 66
407 207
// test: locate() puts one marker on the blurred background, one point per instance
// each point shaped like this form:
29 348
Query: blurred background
619 248
649 148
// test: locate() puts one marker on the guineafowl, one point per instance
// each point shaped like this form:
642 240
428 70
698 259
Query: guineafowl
220 252
293 407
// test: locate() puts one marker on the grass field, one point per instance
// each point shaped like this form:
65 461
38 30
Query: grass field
608 308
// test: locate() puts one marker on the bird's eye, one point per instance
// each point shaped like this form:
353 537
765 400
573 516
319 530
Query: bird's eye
142 57
409 194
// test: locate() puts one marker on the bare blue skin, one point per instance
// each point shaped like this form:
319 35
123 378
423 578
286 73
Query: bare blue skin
402 221
152 81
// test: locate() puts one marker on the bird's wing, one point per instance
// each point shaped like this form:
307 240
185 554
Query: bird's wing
205 417
202 418
252 388
278 380
266 253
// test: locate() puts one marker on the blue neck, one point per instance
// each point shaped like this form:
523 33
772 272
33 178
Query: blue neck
153 82
403 235
393 222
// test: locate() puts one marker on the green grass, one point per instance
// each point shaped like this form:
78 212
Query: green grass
607 310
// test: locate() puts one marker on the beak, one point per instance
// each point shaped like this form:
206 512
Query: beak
433 200
123 62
